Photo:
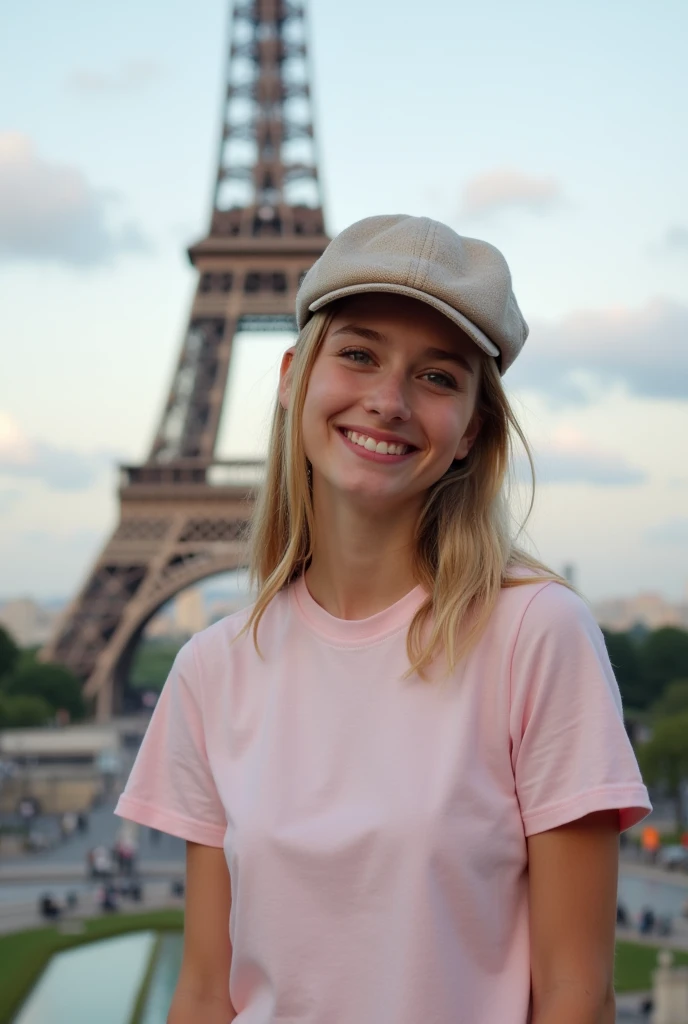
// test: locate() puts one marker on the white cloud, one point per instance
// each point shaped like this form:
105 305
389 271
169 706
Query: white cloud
132 76
50 213
569 457
578 359
59 469
510 189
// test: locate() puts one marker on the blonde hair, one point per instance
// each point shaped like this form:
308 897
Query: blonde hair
465 547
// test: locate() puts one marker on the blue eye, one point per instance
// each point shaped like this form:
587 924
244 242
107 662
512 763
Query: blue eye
355 355
443 379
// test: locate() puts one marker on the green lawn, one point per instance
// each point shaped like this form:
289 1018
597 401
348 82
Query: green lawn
152 663
23 955
635 964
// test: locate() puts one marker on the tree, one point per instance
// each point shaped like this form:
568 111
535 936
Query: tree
664 658
9 653
53 683
674 700
23 711
664 759
625 658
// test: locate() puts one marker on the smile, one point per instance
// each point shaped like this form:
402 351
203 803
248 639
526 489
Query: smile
386 449
371 445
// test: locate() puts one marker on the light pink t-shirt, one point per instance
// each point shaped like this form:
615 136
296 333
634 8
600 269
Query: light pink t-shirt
375 827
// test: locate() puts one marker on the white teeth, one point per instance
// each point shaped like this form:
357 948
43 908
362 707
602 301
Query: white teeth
380 447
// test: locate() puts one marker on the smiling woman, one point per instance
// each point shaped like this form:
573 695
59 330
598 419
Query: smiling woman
395 381
412 743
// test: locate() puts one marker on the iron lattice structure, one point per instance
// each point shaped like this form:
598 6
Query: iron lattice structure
183 512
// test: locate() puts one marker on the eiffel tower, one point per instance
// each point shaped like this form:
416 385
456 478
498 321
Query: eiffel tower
183 512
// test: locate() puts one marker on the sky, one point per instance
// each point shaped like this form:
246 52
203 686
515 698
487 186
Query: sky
553 131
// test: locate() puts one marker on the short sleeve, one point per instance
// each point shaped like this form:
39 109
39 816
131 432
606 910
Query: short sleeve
171 786
570 751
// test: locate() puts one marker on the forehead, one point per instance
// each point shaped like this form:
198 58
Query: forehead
403 318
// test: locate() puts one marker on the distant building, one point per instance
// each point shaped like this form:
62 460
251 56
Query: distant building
220 609
569 573
189 612
161 625
28 623
81 744
650 610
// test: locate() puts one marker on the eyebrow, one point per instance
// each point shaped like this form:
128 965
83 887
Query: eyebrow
441 354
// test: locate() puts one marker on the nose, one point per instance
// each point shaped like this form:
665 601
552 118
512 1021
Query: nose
387 397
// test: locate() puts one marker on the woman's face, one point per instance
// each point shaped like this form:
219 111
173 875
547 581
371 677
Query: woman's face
390 401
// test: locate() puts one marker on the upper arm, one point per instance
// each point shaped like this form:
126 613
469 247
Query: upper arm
573 875
207 957
571 754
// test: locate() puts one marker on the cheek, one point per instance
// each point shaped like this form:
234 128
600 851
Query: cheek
446 424
326 396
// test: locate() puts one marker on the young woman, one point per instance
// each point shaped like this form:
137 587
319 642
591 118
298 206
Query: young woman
401 773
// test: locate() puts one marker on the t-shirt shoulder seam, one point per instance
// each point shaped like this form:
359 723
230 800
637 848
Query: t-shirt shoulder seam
201 699
539 591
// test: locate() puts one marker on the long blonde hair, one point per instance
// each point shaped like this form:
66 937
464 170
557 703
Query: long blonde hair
465 548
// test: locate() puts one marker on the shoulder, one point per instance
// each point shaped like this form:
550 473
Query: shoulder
226 629
544 608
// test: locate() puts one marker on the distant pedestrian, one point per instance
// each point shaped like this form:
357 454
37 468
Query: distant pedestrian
49 906
402 772
647 921
108 899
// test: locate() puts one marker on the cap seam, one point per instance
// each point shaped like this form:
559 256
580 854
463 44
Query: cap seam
415 259
430 256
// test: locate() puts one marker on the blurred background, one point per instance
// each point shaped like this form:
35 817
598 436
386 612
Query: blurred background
553 132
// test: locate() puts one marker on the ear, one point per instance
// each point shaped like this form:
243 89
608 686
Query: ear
468 439
285 377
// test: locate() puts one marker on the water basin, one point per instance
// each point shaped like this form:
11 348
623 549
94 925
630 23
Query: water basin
96 982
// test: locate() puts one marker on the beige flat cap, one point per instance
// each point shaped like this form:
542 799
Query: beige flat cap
466 279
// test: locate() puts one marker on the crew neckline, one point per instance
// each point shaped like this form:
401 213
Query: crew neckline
355 631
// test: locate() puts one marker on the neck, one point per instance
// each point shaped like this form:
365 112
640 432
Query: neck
362 560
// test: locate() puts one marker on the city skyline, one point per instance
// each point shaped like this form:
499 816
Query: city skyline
32 623
564 153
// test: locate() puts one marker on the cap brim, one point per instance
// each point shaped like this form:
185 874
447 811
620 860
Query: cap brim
466 325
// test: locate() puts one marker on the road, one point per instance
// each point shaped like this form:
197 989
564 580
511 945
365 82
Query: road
102 831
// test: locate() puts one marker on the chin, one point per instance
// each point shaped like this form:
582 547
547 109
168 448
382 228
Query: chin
383 497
